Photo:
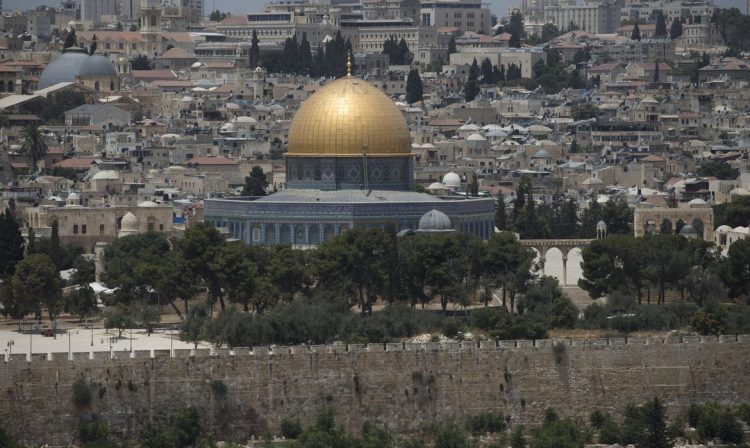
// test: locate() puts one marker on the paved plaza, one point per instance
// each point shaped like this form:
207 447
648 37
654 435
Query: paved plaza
84 340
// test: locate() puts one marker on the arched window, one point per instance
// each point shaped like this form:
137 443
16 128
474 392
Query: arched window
112 86
153 20
11 86
96 86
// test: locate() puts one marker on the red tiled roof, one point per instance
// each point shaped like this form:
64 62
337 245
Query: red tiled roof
80 163
177 53
130 36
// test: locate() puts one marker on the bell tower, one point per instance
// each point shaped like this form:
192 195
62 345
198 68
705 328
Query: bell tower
151 27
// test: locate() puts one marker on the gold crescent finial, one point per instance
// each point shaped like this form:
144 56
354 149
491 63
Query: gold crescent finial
349 65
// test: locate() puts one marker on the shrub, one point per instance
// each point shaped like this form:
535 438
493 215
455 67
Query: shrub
451 436
186 427
219 389
81 393
92 431
291 428
562 314
484 423
597 419
452 328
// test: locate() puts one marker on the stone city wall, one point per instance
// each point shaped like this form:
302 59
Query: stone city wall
397 385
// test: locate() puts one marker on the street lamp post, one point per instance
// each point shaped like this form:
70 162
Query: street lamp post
70 353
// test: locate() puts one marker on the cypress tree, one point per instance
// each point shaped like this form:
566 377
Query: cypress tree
403 53
55 248
661 26
675 30
452 45
656 71
254 56
305 55
501 216
488 75
471 89
636 34
414 89
11 244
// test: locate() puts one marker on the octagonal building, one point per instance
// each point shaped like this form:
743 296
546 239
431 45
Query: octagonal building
349 163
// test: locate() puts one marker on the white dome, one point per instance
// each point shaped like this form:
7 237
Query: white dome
697 202
196 65
541 154
73 196
469 127
476 138
434 221
436 186
452 180
106 175
244 119
723 229
129 223
148 204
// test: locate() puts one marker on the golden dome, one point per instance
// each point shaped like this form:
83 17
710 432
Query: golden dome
344 118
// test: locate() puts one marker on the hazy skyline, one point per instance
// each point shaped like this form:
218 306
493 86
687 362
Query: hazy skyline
499 7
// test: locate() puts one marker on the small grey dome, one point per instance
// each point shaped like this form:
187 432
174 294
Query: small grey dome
63 68
541 154
688 230
601 225
434 221
98 65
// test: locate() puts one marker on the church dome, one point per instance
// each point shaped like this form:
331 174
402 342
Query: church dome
97 65
63 68
344 118
434 221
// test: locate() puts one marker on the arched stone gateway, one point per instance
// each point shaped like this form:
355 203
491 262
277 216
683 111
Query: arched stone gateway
564 246
655 220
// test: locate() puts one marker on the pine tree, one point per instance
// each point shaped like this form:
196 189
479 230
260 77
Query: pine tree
254 56
517 441
414 89
501 74
488 75
661 26
471 89
675 30
636 34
